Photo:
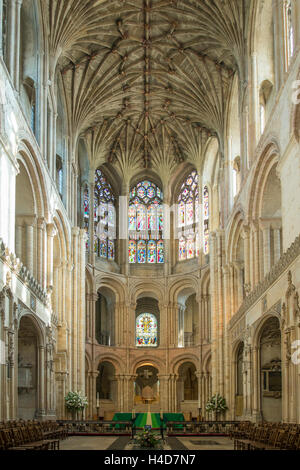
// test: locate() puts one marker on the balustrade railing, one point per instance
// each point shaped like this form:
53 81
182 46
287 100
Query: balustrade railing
128 427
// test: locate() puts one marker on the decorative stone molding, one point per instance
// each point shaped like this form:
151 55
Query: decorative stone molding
284 262
22 272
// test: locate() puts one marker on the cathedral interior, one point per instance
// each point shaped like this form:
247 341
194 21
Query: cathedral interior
150 207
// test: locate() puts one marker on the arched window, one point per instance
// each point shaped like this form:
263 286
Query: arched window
59 175
4 30
236 175
145 223
86 213
289 31
105 217
206 220
188 218
146 330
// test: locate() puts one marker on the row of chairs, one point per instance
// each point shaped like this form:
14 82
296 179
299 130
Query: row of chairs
30 435
266 436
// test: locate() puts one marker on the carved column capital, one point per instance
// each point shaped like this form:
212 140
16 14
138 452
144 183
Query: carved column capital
51 230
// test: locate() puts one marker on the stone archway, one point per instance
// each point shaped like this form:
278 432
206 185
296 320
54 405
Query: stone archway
239 392
146 389
270 371
28 369
187 388
106 390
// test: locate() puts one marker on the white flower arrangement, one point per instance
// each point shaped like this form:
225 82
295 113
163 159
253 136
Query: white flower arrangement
75 401
216 404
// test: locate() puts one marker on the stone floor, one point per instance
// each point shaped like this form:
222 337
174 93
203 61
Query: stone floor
206 443
123 443
87 443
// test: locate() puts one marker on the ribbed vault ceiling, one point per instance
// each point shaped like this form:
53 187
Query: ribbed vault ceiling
147 81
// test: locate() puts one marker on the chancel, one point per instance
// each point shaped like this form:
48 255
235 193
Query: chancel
150 219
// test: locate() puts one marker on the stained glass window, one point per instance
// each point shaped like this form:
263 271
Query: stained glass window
141 249
151 252
132 251
206 220
188 217
86 213
146 330
289 31
188 213
160 251
105 217
145 222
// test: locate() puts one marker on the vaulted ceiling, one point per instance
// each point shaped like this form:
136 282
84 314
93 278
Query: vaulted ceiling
147 82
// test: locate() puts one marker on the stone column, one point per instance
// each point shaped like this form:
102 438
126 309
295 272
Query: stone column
226 335
277 240
220 313
163 392
206 316
11 38
93 391
88 320
203 397
255 230
173 324
265 227
81 310
19 236
199 376
173 393
123 229
75 305
164 325
120 379
238 269
17 45
255 382
207 386
40 249
246 238
129 392
88 412
41 381
30 221
167 230
51 232
214 306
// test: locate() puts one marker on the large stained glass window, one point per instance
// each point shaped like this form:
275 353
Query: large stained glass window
146 330
105 217
189 218
145 223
